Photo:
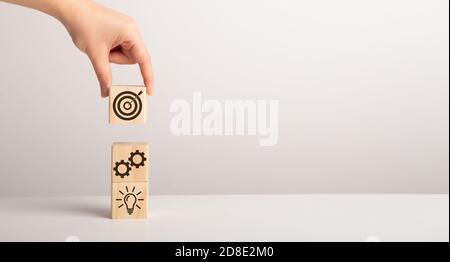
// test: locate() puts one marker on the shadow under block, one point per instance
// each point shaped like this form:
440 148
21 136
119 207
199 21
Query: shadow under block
129 200
127 104
129 162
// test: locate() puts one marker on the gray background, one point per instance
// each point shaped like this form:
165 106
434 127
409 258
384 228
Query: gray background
363 89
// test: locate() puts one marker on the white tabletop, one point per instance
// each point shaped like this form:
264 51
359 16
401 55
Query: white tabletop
232 218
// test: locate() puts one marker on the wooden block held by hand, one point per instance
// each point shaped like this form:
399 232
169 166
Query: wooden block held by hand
127 104
129 200
130 162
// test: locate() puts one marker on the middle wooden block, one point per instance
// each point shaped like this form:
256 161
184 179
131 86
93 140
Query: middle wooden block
130 162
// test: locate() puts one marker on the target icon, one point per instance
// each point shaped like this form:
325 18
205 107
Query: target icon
127 105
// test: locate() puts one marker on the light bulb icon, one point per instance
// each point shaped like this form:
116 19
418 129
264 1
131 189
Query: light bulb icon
130 200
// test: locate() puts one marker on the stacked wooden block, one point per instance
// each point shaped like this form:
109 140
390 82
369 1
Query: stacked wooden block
129 160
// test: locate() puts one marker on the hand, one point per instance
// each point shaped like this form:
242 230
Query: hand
106 36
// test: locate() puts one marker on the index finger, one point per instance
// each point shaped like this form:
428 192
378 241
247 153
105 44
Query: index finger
140 54
145 66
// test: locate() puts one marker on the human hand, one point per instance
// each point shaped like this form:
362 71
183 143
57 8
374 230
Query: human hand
106 36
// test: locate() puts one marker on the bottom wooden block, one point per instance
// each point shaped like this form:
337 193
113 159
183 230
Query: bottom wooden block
129 200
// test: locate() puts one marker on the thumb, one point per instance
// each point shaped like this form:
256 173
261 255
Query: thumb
102 68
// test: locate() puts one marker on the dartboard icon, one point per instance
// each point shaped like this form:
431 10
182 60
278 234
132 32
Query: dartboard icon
127 105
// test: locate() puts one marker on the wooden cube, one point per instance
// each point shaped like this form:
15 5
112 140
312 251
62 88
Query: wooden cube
129 162
127 104
129 200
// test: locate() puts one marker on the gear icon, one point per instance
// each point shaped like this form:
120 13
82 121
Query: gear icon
127 169
132 157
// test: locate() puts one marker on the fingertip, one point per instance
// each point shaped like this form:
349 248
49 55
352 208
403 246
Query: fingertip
104 91
149 89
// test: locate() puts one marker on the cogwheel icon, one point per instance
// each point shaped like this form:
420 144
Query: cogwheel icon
124 173
133 157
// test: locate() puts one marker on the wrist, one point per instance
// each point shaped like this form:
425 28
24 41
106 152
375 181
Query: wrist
66 11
